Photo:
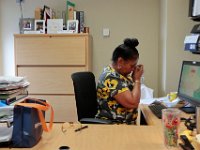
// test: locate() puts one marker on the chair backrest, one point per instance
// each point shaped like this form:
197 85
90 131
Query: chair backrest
85 94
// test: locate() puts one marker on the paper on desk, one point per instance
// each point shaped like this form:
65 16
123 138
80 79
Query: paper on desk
146 92
10 79
150 100
12 82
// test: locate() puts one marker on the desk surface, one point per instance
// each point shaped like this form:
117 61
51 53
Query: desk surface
107 137
103 137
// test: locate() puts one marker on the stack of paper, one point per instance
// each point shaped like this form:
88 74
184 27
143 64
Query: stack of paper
12 89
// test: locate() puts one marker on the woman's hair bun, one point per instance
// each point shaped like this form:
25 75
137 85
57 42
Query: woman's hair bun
131 42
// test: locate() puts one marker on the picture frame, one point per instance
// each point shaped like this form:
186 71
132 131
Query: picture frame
40 26
72 25
26 24
54 26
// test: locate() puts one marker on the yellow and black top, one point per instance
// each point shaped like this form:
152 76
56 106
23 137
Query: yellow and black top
111 83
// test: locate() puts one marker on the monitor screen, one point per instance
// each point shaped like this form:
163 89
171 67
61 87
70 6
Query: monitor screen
189 82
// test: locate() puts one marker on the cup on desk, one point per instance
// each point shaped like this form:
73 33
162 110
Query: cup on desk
172 96
171 122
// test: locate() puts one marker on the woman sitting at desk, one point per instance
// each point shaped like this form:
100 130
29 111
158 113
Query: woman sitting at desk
118 89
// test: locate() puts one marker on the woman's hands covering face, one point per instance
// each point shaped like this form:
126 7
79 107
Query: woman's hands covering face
139 70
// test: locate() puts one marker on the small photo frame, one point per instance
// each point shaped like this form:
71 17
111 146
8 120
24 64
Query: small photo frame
26 24
72 25
54 26
40 26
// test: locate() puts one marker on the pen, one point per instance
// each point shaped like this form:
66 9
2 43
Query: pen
81 128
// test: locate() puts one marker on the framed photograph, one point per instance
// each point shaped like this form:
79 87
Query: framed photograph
40 26
72 25
54 25
26 24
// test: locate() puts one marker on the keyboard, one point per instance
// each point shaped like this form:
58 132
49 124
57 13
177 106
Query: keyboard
156 107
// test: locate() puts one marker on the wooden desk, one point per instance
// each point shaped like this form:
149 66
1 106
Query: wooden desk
103 137
107 137
152 120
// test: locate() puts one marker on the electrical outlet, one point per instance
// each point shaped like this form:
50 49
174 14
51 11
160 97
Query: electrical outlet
19 1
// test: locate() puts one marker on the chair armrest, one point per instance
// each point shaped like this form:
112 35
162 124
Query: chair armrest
95 121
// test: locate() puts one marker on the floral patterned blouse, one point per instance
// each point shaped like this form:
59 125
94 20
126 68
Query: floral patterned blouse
111 83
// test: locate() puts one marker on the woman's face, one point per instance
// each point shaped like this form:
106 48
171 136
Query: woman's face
127 66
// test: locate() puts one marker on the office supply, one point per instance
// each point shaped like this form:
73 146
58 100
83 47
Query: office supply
13 88
146 92
2 104
188 88
81 128
186 142
156 107
10 98
82 22
12 82
6 94
183 146
191 43
190 123
79 15
188 133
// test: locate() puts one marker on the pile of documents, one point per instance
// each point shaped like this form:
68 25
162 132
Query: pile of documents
12 89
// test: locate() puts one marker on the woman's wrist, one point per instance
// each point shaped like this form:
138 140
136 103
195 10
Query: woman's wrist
137 81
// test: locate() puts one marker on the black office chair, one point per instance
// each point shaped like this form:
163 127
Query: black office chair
86 98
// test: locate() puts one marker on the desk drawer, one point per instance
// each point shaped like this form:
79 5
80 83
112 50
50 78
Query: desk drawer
49 80
50 50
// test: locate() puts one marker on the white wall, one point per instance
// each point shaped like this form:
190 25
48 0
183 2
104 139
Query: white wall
128 18
1 62
10 14
175 26
160 26
9 25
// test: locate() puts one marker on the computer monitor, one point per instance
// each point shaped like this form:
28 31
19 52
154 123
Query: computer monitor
189 84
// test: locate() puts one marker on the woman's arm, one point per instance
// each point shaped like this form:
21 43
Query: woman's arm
131 99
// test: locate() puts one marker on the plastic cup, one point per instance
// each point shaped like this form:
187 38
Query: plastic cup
172 96
171 122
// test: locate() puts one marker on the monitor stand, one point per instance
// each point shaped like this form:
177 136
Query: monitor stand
189 109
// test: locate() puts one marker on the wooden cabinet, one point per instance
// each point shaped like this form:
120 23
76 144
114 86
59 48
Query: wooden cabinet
48 60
